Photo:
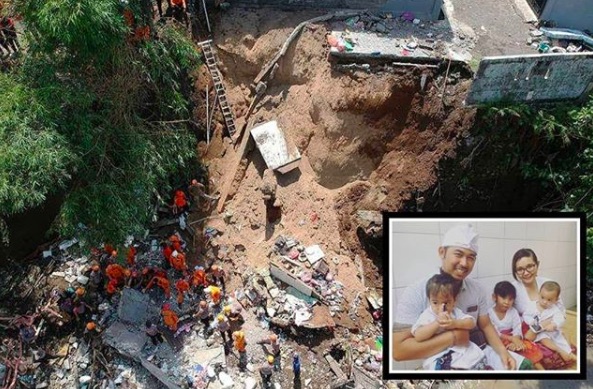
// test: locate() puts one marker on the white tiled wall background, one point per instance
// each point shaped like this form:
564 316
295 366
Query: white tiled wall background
415 244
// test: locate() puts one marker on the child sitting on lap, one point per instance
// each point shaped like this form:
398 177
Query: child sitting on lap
545 321
440 316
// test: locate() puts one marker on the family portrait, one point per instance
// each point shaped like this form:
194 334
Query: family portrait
484 296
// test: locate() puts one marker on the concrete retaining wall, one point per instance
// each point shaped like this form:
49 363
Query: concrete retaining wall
530 78
422 9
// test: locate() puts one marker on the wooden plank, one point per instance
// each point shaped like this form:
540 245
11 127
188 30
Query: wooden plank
363 380
335 366
295 33
158 374
226 189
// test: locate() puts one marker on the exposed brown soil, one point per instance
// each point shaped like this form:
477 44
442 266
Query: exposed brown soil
368 141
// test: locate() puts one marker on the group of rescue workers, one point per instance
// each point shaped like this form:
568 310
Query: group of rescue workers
108 275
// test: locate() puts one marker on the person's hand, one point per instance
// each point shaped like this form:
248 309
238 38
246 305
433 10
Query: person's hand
444 320
518 344
549 327
511 346
508 361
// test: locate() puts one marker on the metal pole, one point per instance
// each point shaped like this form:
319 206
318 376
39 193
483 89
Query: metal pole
206 13
207 122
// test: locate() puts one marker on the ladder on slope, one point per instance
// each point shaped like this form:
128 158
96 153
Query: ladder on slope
225 106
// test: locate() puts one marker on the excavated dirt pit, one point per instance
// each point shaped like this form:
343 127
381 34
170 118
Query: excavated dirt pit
368 139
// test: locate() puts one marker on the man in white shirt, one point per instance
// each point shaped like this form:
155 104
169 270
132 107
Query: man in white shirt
458 254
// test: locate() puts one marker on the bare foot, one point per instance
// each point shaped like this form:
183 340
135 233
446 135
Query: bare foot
568 357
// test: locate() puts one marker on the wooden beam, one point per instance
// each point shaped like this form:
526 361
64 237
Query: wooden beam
230 179
335 366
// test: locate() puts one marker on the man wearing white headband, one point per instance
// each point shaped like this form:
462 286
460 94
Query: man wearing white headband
458 253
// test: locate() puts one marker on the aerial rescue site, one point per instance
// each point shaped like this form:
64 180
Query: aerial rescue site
315 122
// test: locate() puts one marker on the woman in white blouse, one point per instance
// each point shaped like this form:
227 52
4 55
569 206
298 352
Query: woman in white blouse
525 266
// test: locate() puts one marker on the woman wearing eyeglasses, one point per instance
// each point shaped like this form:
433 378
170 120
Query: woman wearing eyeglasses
525 266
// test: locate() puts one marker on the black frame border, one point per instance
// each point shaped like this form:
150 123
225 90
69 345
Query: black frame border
536 375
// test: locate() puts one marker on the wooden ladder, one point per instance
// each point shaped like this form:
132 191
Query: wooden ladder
225 106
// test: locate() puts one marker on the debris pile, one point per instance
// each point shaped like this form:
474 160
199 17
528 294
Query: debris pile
559 40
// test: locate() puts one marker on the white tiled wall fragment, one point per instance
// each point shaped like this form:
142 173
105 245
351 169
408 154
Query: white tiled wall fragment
415 244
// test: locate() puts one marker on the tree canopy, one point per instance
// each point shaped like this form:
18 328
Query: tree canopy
99 109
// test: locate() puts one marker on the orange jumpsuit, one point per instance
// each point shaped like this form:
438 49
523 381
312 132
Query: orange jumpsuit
175 242
182 286
131 256
116 272
162 283
108 248
199 278
167 251
240 343
178 262
170 318
112 287
180 199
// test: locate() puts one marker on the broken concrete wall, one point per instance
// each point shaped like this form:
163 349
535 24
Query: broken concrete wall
422 9
577 14
532 78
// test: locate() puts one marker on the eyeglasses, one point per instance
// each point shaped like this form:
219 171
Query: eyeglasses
529 268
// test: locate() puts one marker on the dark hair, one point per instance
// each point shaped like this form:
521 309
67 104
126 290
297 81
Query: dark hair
442 283
505 289
551 286
148 323
522 253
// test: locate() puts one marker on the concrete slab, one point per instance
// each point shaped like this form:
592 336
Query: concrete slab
211 356
127 340
135 308
435 40
291 280
274 148
532 78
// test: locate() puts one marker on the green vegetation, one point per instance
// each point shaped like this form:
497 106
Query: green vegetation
523 157
98 113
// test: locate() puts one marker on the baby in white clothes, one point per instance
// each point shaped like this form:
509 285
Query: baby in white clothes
545 321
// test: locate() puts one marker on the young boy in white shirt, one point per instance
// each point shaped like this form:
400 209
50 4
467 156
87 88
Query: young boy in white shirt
505 318
441 315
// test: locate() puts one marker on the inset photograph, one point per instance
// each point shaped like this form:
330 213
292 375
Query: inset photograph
493 297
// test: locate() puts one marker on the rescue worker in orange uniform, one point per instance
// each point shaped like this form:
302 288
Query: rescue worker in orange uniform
199 277
178 261
108 248
170 318
112 286
131 256
240 344
147 274
182 287
162 283
116 272
176 242
180 204
167 252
